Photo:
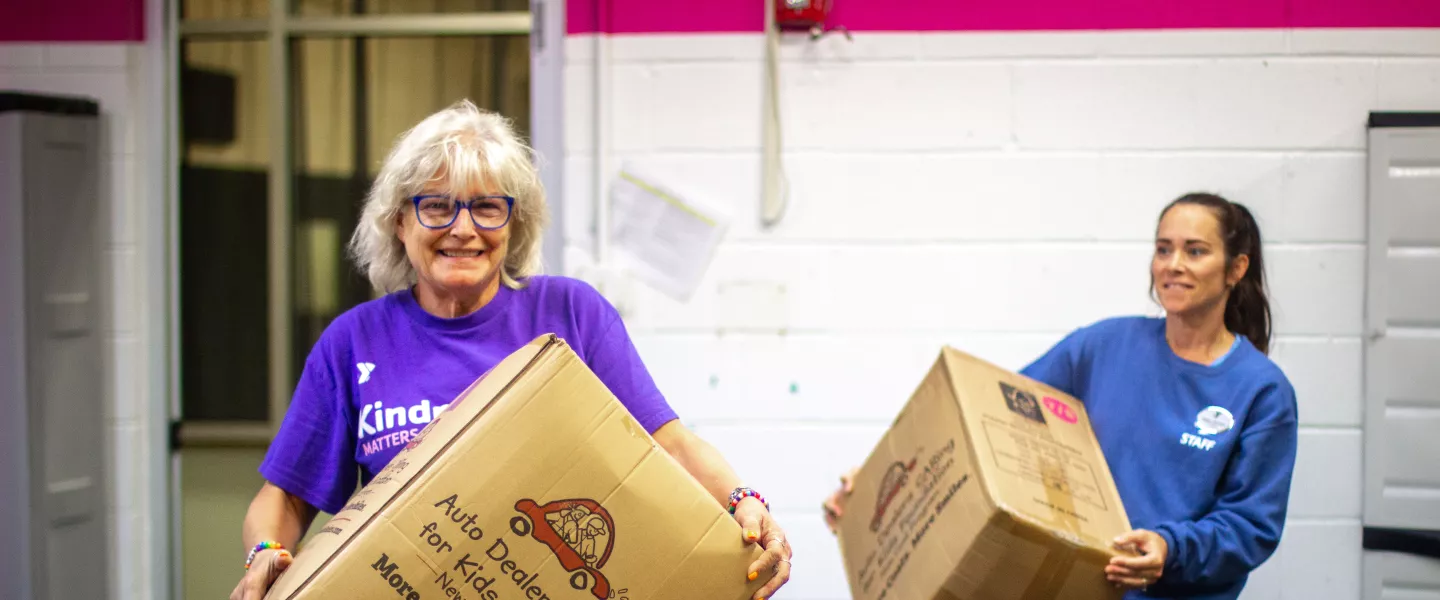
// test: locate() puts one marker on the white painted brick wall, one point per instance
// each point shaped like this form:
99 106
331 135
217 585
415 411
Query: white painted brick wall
114 74
991 191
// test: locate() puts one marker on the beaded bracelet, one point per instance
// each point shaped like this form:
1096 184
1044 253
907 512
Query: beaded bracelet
742 493
265 545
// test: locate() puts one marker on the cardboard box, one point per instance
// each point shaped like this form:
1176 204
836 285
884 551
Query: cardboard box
535 484
988 486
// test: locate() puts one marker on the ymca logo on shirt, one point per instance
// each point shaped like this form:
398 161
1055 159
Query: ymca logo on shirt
1212 421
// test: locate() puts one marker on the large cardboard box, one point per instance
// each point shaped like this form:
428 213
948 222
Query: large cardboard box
534 484
988 486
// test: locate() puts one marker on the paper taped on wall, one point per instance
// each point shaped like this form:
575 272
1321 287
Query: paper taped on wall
665 239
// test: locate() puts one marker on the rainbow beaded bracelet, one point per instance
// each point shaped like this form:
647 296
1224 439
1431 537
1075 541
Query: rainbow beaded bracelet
265 545
742 493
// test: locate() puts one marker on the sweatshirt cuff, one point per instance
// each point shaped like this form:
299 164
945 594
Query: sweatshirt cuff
1172 562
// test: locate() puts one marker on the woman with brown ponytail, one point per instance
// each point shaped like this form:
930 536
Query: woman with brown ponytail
1197 424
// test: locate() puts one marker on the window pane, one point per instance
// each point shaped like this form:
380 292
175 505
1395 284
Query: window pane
199 10
411 78
316 8
223 237
352 97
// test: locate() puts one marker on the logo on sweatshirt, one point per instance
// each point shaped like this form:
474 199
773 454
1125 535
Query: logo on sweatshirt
579 532
365 369
1214 420
1022 403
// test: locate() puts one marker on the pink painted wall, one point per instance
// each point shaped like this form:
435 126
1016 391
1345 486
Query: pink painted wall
648 16
72 21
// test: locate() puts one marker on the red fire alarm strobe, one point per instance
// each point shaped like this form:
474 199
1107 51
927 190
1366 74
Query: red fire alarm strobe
805 15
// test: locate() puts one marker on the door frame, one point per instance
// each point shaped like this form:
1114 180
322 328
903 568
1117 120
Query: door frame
544 22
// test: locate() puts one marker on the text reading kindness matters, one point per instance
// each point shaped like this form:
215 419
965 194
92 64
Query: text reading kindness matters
382 428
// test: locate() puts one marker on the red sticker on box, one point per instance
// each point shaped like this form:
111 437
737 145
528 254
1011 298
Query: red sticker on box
1061 409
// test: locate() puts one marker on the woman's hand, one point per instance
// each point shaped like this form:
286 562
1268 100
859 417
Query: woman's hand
1138 571
274 515
267 566
757 526
706 464
835 504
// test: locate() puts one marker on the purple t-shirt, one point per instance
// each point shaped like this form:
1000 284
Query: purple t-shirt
382 370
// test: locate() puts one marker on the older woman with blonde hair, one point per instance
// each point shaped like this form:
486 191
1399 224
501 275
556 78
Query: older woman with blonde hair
451 233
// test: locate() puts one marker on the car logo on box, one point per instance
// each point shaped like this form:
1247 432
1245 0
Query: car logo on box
895 479
579 532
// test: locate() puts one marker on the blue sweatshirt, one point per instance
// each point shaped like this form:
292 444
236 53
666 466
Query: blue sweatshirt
1201 454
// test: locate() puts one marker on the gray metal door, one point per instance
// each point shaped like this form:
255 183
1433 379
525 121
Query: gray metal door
57 446
1402 357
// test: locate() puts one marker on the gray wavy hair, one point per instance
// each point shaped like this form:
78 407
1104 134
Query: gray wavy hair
471 147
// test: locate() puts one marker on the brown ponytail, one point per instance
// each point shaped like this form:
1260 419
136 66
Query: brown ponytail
1247 310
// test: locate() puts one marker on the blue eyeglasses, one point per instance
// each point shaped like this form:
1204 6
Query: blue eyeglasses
436 211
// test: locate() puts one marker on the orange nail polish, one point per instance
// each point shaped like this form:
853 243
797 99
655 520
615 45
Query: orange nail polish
753 575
